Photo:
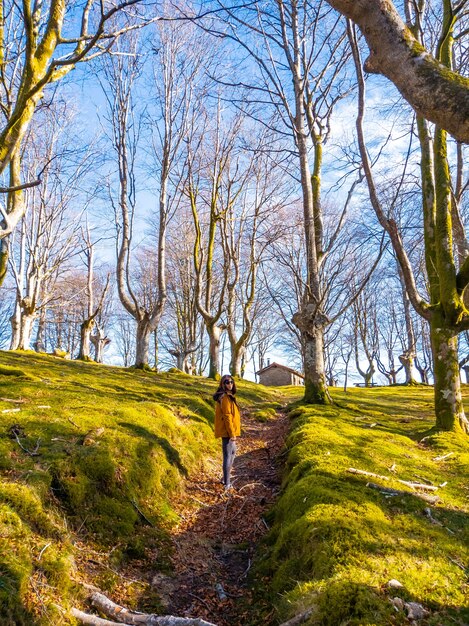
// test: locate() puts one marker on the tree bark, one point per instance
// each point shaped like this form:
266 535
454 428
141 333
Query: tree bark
86 328
312 333
433 90
449 408
100 341
214 334
236 365
26 329
142 343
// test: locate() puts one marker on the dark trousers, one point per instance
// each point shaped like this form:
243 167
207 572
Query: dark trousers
229 453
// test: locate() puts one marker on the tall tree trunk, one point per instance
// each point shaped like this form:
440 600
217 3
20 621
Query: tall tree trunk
315 377
214 334
3 260
449 408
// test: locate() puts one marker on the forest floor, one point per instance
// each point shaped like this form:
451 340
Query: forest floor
214 544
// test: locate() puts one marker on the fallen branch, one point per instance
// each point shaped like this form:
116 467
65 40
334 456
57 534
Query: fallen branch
352 470
299 619
408 483
442 458
398 492
15 431
94 620
131 618
419 486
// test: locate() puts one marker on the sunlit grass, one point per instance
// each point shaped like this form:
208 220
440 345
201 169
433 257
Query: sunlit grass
114 447
336 543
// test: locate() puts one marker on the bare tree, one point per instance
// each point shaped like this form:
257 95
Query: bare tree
41 43
48 237
92 311
444 307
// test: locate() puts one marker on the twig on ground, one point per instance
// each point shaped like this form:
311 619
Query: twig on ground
16 430
398 492
298 619
408 483
424 480
442 458
464 569
43 550
142 515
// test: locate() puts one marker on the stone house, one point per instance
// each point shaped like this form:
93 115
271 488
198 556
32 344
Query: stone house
276 375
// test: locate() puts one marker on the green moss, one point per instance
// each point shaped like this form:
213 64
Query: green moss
335 542
117 491
5 370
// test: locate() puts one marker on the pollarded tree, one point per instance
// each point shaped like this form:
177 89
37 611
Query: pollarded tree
300 52
93 307
48 236
176 68
248 233
444 308
213 183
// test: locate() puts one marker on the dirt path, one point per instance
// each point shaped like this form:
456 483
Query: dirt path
215 543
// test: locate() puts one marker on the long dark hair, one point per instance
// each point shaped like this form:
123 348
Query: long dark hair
222 390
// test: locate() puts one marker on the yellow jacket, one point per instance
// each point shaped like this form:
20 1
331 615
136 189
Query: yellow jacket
227 418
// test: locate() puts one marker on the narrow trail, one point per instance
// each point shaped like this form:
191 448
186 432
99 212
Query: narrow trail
215 543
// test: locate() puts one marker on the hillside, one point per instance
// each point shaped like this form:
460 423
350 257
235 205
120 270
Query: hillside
93 461
110 478
372 526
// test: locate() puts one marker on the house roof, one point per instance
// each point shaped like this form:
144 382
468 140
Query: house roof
280 366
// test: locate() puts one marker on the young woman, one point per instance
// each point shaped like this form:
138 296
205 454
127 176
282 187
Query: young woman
227 424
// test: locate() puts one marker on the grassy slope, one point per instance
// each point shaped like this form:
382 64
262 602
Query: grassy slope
335 543
75 502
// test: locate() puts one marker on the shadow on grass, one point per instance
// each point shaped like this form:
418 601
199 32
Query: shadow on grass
172 455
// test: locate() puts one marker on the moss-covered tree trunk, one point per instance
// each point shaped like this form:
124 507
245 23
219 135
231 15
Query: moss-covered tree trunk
214 334
435 91
449 408
86 328
315 377
237 357
142 342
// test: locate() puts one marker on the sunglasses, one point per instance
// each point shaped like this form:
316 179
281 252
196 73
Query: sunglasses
228 382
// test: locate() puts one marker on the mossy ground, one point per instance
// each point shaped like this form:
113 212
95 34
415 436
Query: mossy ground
335 543
114 447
